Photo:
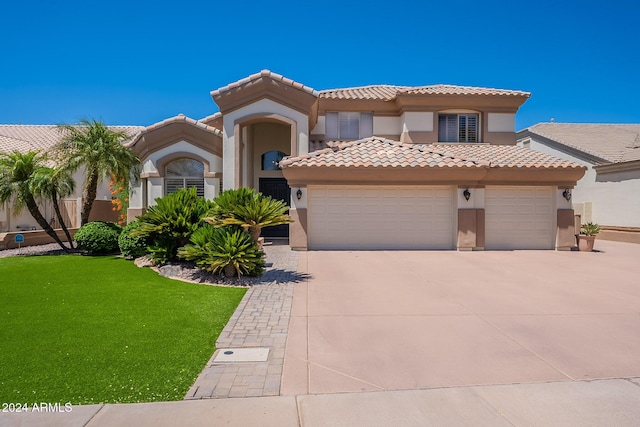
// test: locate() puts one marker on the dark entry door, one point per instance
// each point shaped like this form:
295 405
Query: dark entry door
278 189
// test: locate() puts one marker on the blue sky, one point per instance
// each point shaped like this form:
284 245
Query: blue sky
139 62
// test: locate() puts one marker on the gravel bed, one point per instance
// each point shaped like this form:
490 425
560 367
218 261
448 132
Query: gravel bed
188 272
49 249
277 270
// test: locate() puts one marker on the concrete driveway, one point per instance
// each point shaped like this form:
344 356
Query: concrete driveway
368 321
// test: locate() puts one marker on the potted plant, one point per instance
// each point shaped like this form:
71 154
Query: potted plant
587 236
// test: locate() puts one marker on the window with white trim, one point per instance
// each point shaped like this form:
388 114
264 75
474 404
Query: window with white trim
346 125
184 173
458 128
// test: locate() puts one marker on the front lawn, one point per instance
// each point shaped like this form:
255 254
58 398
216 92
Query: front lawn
98 329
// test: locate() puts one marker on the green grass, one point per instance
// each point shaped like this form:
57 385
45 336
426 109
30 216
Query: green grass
98 329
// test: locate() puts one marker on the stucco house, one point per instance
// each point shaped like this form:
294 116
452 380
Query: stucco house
374 167
608 192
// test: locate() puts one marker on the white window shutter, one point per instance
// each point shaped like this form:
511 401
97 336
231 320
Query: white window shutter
472 128
331 126
448 128
366 125
349 125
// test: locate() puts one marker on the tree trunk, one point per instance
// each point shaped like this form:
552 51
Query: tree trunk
56 208
229 270
32 206
255 231
88 197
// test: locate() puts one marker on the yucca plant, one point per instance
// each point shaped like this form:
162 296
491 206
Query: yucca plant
170 223
225 249
590 229
248 209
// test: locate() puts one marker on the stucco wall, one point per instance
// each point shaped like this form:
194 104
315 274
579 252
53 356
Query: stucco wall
263 106
613 197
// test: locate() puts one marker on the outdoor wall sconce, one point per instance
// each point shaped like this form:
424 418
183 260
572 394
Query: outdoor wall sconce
299 194
566 194
466 194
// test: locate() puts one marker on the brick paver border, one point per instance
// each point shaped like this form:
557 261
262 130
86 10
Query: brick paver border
261 320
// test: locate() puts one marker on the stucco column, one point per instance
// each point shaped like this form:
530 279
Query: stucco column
298 228
565 232
470 229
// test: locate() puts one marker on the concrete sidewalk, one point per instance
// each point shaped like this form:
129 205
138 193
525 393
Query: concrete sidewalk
613 402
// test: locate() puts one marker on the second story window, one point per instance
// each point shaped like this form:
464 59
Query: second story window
346 125
270 160
458 128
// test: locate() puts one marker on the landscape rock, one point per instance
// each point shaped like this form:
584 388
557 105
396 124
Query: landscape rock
144 261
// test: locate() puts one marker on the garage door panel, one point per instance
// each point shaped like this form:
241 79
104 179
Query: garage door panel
380 217
519 218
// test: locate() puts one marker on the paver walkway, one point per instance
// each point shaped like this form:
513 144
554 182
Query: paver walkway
261 320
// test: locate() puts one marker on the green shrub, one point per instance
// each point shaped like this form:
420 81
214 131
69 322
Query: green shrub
132 246
213 249
246 208
98 237
169 224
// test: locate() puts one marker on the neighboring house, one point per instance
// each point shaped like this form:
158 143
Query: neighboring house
374 167
608 194
24 138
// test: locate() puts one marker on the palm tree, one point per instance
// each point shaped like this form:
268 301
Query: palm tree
248 209
53 184
98 149
17 176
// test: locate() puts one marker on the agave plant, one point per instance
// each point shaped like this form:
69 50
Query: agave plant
590 229
224 249
248 209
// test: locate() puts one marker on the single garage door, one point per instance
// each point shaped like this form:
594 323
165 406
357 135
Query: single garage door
380 217
519 218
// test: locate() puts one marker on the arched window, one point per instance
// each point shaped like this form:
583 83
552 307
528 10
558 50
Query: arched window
270 160
184 173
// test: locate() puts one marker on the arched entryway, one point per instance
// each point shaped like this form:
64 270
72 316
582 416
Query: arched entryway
265 141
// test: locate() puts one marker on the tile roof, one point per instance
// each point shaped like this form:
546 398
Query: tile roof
505 156
42 137
461 90
384 92
380 152
389 92
179 119
264 73
214 120
614 143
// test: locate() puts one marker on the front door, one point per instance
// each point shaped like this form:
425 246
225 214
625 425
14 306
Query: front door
278 189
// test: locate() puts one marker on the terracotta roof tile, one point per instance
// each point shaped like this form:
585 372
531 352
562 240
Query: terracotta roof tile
379 152
389 92
384 92
264 73
505 156
42 137
613 143
182 118
460 90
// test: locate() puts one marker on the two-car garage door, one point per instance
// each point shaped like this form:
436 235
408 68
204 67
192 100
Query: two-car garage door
380 217
424 217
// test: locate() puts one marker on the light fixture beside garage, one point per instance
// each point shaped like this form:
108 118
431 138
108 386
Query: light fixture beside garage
467 194
567 194
299 194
